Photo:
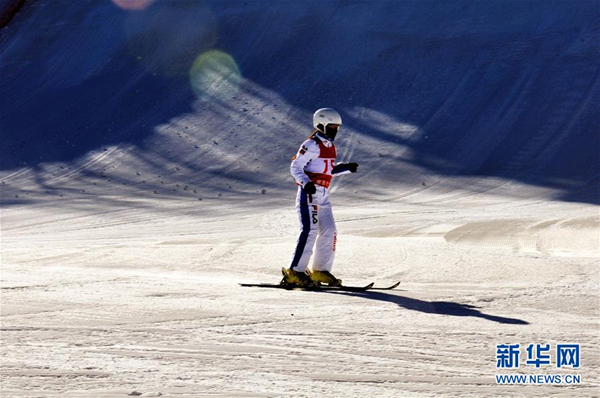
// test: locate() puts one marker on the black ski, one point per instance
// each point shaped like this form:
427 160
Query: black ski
312 288
395 285
322 287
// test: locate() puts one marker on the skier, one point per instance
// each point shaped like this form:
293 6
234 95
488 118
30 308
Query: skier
312 168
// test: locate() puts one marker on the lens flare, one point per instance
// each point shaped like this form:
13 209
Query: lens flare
166 38
215 75
132 5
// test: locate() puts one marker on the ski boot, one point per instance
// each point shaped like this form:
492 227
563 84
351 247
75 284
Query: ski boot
325 277
293 278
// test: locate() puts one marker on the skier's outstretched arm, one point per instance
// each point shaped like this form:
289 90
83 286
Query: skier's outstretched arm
344 168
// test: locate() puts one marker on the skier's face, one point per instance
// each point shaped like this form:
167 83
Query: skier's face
331 130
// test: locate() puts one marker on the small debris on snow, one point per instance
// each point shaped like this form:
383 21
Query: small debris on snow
264 191
134 394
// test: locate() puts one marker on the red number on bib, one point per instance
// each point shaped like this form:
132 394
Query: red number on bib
327 161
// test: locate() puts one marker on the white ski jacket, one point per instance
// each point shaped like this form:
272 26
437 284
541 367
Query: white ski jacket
315 161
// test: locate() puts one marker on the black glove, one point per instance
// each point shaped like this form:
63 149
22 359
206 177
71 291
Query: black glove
310 188
342 167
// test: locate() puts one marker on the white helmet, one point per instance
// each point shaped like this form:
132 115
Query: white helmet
325 116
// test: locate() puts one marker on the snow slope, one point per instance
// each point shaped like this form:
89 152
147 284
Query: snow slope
144 152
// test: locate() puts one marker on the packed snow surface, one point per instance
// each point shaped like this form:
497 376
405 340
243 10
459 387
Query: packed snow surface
144 171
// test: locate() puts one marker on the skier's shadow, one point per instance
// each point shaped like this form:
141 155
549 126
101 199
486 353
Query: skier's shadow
434 307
